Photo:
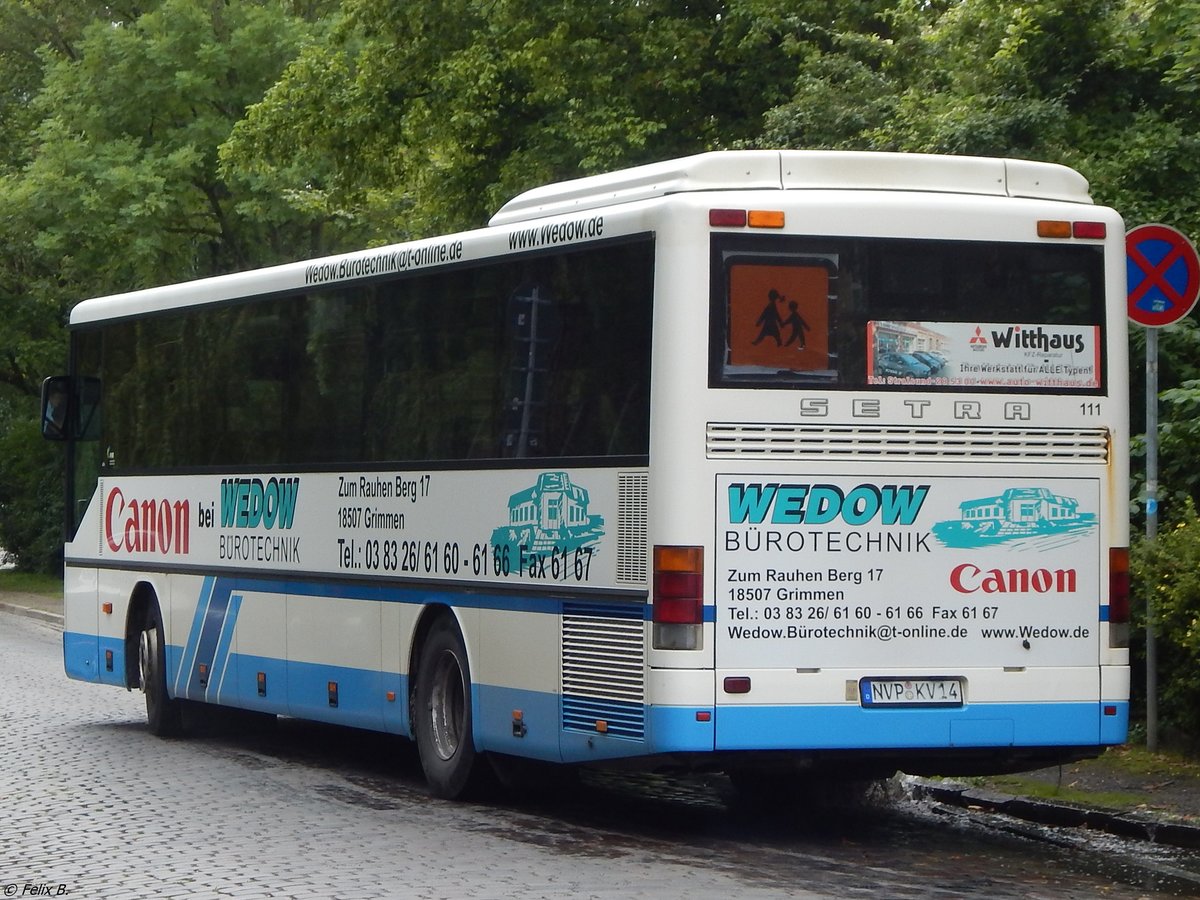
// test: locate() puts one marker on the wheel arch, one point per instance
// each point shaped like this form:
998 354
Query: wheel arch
142 599
429 616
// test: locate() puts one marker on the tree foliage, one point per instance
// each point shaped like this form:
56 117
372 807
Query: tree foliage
1168 571
426 117
110 183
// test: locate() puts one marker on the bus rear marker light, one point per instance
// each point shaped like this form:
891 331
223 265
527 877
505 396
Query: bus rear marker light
765 218
729 218
1053 228
737 684
1089 229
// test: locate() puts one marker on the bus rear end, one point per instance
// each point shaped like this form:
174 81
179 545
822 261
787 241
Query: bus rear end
890 457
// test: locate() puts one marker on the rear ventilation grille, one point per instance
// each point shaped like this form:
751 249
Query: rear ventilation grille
735 440
631 527
603 669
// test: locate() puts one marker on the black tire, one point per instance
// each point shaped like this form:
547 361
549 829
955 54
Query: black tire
442 714
164 716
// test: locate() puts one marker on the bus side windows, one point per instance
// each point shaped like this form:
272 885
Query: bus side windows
87 407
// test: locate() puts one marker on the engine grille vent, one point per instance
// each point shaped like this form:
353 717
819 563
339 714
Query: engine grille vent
727 440
603 669
632 493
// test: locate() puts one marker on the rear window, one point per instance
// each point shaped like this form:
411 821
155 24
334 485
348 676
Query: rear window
804 312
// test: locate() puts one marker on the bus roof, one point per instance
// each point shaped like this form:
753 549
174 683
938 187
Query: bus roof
717 171
802 170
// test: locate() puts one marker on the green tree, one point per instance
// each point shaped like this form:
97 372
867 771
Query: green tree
113 185
413 119
1169 570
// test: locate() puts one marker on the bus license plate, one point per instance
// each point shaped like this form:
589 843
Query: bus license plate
911 691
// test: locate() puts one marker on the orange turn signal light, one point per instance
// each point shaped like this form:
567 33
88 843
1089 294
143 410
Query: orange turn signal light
765 218
1052 228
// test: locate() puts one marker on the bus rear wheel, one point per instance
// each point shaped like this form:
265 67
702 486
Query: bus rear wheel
443 714
164 716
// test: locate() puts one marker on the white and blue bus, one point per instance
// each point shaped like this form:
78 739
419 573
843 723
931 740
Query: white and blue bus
764 462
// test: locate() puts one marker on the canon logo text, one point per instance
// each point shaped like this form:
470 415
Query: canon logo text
968 578
145 526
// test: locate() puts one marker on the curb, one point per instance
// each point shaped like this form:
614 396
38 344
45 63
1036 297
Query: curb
39 614
1127 825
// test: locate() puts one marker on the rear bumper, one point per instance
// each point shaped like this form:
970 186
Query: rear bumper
973 726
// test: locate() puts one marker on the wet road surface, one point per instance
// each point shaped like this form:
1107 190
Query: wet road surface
93 806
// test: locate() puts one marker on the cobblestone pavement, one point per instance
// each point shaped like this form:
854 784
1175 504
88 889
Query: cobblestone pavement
92 806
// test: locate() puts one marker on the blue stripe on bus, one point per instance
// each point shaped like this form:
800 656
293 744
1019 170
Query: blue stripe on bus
186 661
302 689
537 735
245 671
116 675
80 652
221 656
206 644
360 694
977 725
1115 729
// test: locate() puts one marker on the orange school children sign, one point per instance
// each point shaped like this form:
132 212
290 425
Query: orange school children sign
779 317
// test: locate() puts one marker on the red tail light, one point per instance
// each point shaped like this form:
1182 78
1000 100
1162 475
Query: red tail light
679 585
1118 585
678 598
1118 597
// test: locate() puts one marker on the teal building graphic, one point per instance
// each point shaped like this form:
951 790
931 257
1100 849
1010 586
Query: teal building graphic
552 515
1017 513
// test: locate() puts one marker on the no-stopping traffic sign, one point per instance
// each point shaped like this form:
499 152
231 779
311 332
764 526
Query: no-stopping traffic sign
1163 274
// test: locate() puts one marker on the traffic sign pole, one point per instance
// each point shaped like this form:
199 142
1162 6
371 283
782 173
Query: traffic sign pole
1151 533
1163 280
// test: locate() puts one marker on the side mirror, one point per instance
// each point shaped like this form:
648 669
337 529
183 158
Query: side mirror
70 408
56 407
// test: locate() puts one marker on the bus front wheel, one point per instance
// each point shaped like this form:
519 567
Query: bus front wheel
443 717
163 715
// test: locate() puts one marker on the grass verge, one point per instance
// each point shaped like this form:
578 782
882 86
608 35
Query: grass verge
1038 789
29 583
1129 777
